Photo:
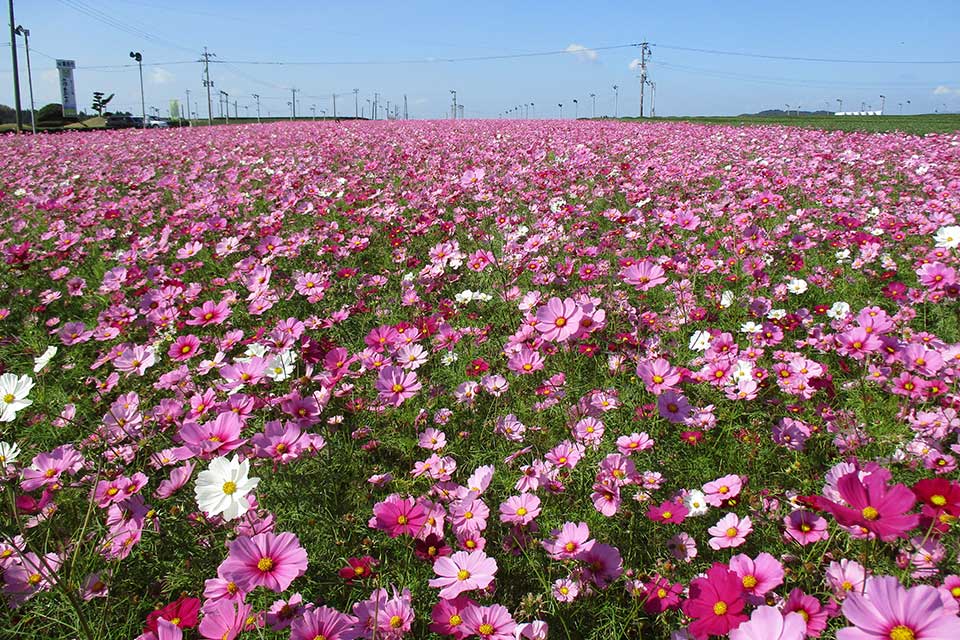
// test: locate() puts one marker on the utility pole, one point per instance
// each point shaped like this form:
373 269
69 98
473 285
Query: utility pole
576 109
376 99
189 122
883 99
225 100
207 83
593 112
26 43
293 104
406 115
644 52
136 55
235 115
334 106
256 97
356 103
560 106
313 108
454 93
840 102
16 71
616 101
653 99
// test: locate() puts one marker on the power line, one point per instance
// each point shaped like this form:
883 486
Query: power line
429 60
105 18
802 58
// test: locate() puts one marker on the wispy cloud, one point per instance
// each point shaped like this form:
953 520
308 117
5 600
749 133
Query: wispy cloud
634 64
944 90
583 53
161 76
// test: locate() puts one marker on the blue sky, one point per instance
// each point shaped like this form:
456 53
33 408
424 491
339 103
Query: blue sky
371 31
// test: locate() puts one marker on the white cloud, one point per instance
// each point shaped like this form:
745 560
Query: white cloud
944 90
161 76
634 64
583 53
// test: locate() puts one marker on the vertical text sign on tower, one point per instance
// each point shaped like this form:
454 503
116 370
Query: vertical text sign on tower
68 92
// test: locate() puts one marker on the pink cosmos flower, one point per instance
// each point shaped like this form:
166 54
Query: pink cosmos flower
668 511
462 572
209 313
673 406
447 617
886 610
137 359
758 576
224 619
184 348
565 590
846 577
526 361
805 527
469 515
767 623
46 468
644 275
567 543
814 614
396 385
489 623
730 532
266 559
558 319
658 375
722 489
633 443
520 509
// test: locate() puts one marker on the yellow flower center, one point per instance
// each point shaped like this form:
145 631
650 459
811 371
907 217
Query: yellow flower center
846 585
463 574
468 515
732 532
749 582
401 519
229 488
265 564
869 513
658 379
955 592
455 620
486 629
112 491
9 398
901 632
667 515
50 473
564 590
569 547
175 621
720 608
397 388
661 593
938 500
34 579
560 321
396 622
522 511
358 570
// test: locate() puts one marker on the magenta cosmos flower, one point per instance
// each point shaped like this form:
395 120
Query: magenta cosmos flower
716 603
322 622
398 516
463 571
888 611
396 385
558 319
758 575
268 560
874 506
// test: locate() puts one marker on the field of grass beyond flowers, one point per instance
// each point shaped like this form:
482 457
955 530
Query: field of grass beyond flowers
495 380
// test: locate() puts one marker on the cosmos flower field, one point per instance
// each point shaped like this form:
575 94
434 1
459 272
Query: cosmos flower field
480 380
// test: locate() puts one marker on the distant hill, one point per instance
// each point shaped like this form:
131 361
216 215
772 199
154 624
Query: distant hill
780 113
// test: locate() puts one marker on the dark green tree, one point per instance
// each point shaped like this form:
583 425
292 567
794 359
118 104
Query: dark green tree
99 102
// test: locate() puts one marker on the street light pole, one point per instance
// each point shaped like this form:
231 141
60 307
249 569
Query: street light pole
883 102
454 103
593 109
560 107
257 98
136 55
616 101
16 71
356 103
26 43
576 109
840 108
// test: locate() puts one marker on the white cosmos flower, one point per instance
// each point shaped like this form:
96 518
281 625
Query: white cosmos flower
696 503
699 341
947 237
797 286
43 359
8 453
448 358
281 366
222 488
13 395
839 310
777 314
750 327
743 370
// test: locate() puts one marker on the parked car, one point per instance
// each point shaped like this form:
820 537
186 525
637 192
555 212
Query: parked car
157 123
120 121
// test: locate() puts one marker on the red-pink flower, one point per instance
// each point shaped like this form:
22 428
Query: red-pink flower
874 506
398 516
184 348
209 313
266 559
716 603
